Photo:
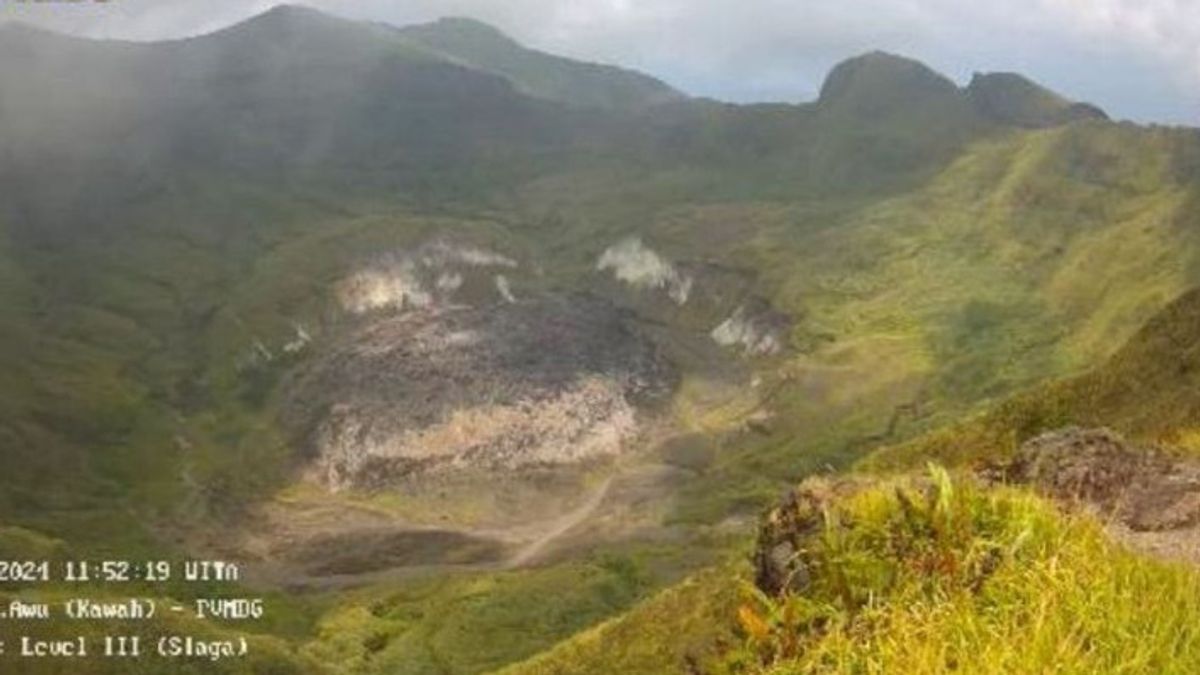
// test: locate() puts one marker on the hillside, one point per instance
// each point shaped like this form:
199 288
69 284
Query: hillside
965 562
1145 390
443 336
900 565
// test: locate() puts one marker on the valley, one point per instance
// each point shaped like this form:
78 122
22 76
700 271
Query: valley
484 360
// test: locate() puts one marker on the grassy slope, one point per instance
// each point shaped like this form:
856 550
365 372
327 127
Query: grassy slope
471 623
978 285
954 578
969 286
972 581
1146 390
683 624
880 277
1032 255
1017 584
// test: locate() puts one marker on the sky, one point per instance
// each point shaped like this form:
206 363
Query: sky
1138 59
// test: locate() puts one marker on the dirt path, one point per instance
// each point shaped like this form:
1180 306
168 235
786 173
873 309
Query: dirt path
563 525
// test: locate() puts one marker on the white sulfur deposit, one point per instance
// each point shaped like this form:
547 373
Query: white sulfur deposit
388 286
449 282
299 342
632 262
755 337
504 288
426 277
441 253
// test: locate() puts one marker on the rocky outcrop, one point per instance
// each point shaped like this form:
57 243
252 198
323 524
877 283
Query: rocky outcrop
782 559
1011 99
1144 488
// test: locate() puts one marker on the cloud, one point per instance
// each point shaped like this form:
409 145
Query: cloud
1170 28
1137 58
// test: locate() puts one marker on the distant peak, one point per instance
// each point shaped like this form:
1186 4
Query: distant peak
288 10
286 22
292 15
480 46
463 28
466 23
880 74
1014 99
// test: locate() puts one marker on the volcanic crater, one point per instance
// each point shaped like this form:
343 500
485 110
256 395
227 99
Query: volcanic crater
551 380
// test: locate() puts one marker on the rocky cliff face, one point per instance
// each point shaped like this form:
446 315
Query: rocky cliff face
549 380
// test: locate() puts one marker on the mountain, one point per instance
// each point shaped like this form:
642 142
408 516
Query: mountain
617 322
482 47
1012 99
877 83
279 93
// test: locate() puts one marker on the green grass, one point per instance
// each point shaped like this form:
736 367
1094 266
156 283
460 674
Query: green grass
685 624
459 623
910 588
923 307
932 271
972 580
1147 390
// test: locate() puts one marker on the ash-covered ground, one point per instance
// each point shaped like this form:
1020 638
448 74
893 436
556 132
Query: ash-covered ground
548 380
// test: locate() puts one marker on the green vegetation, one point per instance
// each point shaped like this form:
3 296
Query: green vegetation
993 580
925 575
971 580
685 624
942 253
473 623
1147 390
927 306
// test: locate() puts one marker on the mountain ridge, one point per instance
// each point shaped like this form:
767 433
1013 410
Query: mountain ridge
182 225
481 46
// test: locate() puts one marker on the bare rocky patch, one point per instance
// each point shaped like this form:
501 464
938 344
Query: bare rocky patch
1150 496
554 380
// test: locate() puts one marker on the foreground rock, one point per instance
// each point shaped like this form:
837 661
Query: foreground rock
1146 489
782 558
